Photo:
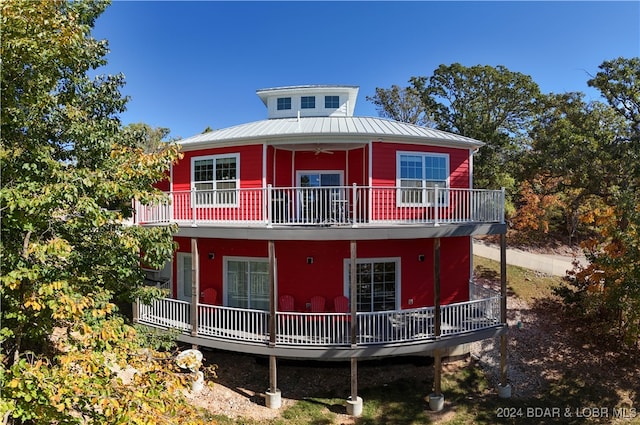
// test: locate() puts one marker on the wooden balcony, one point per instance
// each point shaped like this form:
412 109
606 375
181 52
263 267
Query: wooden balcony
322 335
345 206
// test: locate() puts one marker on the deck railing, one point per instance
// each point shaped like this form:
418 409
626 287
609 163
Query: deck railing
166 313
338 205
233 323
322 329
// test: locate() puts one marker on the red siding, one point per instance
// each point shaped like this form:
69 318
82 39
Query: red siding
357 171
309 161
283 165
325 276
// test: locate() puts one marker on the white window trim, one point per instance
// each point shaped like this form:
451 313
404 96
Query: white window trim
225 272
237 179
424 188
397 260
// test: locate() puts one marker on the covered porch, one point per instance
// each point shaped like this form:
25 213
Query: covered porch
351 335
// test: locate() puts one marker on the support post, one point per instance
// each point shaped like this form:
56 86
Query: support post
273 296
195 285
136 313
353 294
273 399
436 399
504 389
354 403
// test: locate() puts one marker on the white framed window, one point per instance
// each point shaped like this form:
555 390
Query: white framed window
308 102
417 174
283 103
215 179
377 283
246 282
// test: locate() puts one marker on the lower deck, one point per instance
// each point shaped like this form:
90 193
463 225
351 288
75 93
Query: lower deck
327 335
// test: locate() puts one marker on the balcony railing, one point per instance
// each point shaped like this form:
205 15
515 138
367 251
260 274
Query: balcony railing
339 205
322 329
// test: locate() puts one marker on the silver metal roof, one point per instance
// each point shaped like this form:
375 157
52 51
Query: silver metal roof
327 129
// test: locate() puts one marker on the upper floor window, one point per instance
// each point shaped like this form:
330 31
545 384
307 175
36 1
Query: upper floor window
215 179
331 102
417 176
284 103
308 102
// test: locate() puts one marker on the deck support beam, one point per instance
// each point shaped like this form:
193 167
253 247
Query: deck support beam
504 389
273 296
273 396
354 403
195 286
436 399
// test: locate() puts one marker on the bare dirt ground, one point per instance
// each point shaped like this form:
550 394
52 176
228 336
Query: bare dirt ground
546 347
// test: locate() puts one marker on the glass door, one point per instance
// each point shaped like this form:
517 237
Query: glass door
319 196
184 278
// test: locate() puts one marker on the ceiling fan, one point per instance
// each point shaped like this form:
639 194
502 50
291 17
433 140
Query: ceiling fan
320 150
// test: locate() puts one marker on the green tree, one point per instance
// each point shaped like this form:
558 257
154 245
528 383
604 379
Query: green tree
69 174
491 104
148 138
401 104
619 83
574 154
608 289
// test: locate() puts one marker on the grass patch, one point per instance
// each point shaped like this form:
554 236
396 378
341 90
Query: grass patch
525 284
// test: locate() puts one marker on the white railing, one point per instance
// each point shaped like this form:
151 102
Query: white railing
395 326
470 316
166 313
323 329
233 323
339 205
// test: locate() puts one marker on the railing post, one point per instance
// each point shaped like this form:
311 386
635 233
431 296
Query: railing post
370 205
269 206
502 201
136 313
354 206
170 206
436 213
193 206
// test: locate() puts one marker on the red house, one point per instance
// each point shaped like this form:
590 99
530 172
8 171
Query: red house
319 234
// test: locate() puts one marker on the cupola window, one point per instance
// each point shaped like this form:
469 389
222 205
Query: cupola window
308 102
284 103
331 102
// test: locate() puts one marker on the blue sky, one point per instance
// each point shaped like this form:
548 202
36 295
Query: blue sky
189 65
